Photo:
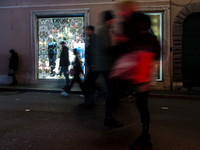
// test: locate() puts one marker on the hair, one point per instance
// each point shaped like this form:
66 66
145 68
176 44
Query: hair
12 51
90 28
127 3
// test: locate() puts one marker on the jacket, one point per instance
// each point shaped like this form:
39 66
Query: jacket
64 57
14 61
92 53
107 53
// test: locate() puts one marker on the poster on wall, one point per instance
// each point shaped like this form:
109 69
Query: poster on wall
52 31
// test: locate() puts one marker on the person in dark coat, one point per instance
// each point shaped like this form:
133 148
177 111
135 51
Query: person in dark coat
64 63
107 56
136 29
77 71
13 65
93 73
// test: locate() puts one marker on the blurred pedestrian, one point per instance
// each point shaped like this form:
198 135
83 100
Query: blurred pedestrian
136 26
107 55
13 66
77 70
64 63
93 70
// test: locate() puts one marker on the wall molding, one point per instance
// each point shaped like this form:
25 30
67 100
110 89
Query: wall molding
75 4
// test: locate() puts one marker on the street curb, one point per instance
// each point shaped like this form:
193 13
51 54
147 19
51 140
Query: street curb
151 95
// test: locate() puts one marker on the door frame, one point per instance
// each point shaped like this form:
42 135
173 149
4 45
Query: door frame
34 51
178 43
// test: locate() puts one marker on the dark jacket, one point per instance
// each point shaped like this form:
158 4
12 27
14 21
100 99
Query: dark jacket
14 61
64 57
107 52
92 53
140 37
77 66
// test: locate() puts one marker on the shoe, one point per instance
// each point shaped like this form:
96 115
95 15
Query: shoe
142 142
64 93
82 95
112 123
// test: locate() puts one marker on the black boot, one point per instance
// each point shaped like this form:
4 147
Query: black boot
143 142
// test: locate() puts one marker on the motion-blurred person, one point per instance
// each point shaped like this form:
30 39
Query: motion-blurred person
93 73
77 71
136 26
64 63
107 55
13 66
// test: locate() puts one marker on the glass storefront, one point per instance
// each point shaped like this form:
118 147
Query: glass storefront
52 31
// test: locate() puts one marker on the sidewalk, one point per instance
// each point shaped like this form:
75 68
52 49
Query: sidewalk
194 95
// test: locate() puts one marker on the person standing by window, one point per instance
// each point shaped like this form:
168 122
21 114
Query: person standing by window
64 63
13 66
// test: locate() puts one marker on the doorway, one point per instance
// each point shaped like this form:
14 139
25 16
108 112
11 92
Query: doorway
191 51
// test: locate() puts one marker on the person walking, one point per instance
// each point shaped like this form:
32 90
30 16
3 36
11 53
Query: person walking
13 66
136 29
64 63
92 59
77 70
107 55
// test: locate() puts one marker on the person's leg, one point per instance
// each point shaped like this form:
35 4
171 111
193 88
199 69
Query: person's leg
142 105
144 141
87 85
109 102
65 69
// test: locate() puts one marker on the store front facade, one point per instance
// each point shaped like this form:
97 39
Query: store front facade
52 24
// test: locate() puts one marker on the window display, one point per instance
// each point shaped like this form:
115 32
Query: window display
156 30
52 31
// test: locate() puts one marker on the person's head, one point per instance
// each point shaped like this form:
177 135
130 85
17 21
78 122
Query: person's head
12 51
62 43
89 30
141 21
126 8
108 18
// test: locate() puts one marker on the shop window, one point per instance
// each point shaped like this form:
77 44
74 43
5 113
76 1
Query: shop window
53 30
156 30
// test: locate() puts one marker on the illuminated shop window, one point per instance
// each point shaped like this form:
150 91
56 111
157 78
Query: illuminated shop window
51 31
156 30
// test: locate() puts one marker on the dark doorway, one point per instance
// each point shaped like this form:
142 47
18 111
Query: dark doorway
191 51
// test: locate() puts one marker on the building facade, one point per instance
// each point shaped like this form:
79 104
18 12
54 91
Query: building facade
35 28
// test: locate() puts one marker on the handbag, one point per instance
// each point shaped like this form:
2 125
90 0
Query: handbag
72 72
11 72
135 66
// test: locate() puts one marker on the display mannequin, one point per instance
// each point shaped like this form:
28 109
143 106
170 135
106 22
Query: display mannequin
52 52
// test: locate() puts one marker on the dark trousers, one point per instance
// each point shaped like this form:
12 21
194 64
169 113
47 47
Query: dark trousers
89 85
111 96
142 105
76 79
